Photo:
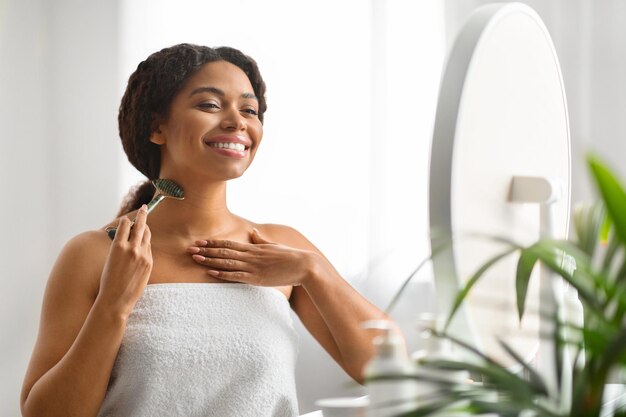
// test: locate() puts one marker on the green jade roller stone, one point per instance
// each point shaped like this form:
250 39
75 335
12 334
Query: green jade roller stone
165 189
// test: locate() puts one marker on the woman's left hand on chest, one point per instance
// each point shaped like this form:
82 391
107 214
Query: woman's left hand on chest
259 263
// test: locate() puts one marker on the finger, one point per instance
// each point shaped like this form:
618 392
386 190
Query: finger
219 263
123 229
237 276
216 252
147 237
228 244
257 238
136 234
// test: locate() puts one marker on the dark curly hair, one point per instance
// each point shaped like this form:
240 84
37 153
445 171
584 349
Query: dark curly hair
149 94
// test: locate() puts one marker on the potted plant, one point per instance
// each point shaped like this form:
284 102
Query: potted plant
598 247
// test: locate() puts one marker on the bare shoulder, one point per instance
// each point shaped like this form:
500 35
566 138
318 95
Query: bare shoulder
81 260
87 247
285 235
96 237
72 287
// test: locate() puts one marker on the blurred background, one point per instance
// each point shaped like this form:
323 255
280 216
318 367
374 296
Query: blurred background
352 92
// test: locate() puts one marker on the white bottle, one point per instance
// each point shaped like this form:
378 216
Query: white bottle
389 397
435 348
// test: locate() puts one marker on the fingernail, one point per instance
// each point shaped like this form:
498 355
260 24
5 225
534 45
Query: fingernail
193 249
201 242
143 207
198 258
212 272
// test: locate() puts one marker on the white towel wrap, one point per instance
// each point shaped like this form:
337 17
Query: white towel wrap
198 350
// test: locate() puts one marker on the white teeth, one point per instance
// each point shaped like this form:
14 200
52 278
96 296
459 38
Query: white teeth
228 145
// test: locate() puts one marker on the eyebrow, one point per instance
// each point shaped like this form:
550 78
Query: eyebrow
219 92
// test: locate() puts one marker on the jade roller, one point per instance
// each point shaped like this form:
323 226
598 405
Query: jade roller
165 189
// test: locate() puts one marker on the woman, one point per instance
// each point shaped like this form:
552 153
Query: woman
187 311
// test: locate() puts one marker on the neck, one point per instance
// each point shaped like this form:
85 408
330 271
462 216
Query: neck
202 214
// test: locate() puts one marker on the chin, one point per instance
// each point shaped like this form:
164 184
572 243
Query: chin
231 175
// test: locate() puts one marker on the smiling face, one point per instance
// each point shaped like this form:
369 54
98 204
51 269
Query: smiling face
212 130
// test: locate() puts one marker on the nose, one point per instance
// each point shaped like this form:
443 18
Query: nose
233 120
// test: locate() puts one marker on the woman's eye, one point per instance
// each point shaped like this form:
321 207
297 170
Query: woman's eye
251 111
208 106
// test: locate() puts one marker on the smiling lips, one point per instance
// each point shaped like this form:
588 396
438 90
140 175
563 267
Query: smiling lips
231 146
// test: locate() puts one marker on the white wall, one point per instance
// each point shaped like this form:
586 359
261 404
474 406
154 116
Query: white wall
23 172
82 70
58 170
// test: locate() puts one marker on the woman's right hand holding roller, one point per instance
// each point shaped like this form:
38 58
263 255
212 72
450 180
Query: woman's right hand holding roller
79 339
127 268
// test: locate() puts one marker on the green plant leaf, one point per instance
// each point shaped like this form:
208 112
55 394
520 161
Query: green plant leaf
534 378
619 300
495 377
620 411
613 245
510 408
441 381
428 409
435 251
525 265
596 339
473 280
589 221
466 346
605 229
612 193
615 351
545 251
